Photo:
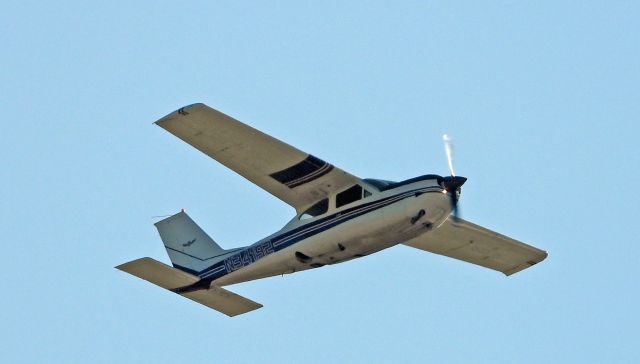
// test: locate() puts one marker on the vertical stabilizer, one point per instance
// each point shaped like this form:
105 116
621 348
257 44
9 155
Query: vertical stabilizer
189 247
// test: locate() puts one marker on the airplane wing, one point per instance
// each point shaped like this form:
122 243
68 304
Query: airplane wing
295 177
471 243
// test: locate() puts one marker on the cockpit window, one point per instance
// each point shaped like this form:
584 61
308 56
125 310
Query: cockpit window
316 210
350 195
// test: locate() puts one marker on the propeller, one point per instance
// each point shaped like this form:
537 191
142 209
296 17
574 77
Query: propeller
452 183
448 150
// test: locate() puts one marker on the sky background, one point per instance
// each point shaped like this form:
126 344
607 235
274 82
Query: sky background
540 97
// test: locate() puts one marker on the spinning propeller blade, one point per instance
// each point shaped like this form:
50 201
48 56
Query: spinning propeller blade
452 183
448 150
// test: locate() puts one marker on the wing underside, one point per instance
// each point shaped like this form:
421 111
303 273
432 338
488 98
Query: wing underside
295 177
475 244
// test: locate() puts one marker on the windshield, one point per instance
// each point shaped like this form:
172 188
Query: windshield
384 185
379 183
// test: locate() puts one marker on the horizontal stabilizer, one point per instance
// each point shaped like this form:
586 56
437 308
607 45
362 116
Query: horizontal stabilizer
475 244
222 300
158 273
170 278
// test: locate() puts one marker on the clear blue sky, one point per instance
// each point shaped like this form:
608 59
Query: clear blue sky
541 99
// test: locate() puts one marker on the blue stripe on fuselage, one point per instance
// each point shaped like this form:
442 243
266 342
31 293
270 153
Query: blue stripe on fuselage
261 249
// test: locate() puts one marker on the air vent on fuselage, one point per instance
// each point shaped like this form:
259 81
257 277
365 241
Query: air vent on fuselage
303 258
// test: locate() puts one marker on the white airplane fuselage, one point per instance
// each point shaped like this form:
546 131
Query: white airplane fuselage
371 224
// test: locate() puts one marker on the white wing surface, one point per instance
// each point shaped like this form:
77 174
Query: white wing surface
474 244
295 177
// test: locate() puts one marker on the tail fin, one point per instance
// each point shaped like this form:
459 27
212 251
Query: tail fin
189 247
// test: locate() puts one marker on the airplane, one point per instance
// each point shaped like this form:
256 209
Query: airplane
339 217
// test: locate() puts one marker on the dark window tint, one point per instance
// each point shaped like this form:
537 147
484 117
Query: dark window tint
348 196
303 172
316 210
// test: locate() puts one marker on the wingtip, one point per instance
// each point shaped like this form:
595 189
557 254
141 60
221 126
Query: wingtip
525 265
544 255
183 111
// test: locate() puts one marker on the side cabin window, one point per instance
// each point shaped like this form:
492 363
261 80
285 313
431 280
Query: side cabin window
318 209
350 195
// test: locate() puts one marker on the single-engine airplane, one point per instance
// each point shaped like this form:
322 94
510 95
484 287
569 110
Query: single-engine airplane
339 217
